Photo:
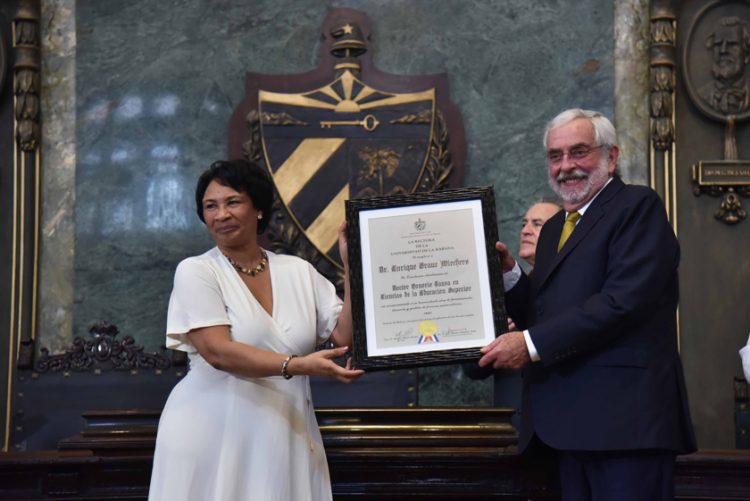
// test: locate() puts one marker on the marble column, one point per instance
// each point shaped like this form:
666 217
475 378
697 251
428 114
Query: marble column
632 27
56 276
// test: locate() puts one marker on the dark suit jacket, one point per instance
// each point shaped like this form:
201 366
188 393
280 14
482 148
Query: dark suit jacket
601 314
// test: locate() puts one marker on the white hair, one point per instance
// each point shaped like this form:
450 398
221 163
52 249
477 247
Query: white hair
604 132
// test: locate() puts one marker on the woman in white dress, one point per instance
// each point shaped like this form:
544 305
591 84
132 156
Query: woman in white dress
241 425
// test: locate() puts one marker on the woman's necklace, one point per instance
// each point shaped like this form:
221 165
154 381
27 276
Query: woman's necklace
258 269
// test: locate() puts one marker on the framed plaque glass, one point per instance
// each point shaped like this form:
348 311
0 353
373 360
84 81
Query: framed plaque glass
426 284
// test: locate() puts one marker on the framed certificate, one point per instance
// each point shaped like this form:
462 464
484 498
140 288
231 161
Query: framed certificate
426 284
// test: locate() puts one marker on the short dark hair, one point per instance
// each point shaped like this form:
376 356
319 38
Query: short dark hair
244 177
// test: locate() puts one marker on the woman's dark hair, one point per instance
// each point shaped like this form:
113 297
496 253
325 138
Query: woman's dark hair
244 177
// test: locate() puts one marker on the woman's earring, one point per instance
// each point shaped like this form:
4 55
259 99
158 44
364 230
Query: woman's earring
260 215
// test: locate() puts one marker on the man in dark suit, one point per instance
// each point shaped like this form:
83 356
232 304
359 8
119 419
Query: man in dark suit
602 380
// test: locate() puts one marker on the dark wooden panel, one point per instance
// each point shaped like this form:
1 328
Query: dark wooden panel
741 414
713 270
373 454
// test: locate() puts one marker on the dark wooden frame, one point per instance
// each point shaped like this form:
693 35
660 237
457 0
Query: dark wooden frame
361 359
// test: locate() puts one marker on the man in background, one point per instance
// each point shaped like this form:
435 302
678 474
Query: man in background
532 224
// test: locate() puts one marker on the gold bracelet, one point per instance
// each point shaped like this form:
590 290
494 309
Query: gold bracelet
285 367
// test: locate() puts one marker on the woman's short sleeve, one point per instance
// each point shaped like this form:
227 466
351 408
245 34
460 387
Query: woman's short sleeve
327 304
196 302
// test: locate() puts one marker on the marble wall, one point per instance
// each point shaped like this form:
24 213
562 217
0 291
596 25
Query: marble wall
156 82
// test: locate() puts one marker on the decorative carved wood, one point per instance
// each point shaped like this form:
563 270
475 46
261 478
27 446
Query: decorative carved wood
20 129
26 172
663 62
102 352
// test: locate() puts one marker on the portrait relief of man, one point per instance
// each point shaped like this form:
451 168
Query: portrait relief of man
729 43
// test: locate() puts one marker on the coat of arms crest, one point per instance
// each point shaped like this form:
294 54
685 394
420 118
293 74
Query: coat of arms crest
345 130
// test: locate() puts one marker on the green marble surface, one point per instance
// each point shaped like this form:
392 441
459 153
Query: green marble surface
156 83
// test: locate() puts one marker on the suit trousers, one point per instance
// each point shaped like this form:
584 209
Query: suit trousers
617 475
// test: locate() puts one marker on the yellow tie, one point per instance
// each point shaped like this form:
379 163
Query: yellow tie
568 227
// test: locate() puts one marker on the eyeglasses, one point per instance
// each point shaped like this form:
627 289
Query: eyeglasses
577 152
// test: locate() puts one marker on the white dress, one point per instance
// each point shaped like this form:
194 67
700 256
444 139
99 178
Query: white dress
223 437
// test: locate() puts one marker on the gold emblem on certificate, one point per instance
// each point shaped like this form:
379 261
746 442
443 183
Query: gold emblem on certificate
428 329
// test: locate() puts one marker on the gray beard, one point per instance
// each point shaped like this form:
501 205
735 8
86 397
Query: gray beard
596 178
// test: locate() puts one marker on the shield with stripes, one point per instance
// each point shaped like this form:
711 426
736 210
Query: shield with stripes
344 140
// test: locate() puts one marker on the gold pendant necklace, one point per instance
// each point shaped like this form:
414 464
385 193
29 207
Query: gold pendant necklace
258 269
